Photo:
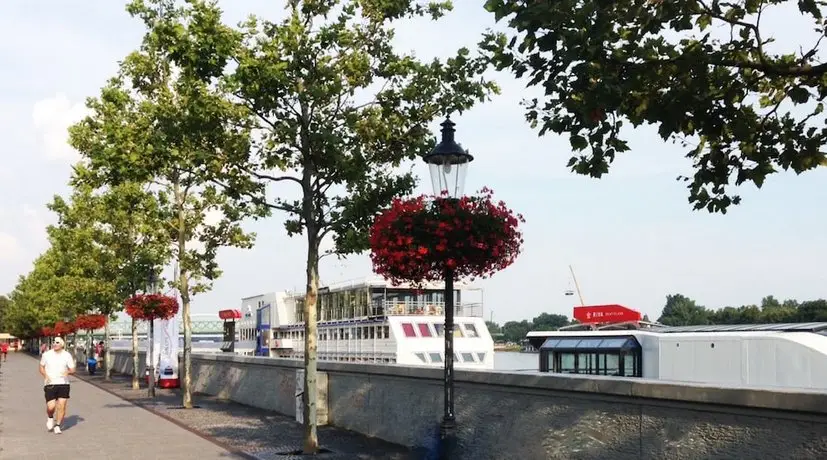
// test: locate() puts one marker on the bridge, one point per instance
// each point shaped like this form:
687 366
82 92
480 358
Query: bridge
200 326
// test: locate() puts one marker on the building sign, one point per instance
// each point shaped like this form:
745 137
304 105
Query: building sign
605 314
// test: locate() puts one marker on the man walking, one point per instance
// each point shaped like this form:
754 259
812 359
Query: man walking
55 366
4 349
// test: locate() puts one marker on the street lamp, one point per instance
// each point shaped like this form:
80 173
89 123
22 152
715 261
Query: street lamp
151 288
448 165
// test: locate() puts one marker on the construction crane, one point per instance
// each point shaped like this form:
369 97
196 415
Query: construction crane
576 286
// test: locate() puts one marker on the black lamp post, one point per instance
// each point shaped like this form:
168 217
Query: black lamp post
448 165
151 288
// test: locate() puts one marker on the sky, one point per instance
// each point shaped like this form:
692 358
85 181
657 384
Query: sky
631 236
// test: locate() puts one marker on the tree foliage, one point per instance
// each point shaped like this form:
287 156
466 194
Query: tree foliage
704 72
335 109
683 311
172 126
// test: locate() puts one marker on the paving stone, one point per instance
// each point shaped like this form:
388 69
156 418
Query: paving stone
99 425
256 433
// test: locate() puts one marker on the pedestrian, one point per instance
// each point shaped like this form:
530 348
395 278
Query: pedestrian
55 366
4 348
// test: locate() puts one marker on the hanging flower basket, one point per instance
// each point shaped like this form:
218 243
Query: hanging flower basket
417 239
47 331
148 307
90 322
63 328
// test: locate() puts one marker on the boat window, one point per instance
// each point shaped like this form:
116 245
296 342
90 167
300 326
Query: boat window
408 330
567 363
457 331
468 357
359 333
440 329
424 330
612 364
435 357
481 356
421 357
470 330
387 331
629 365
371 331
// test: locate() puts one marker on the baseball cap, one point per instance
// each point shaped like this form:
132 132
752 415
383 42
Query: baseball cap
59 341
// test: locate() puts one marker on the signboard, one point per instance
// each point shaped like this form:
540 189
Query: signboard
605 314
229 314
166 353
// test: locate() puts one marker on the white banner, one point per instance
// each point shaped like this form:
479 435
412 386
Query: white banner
166 352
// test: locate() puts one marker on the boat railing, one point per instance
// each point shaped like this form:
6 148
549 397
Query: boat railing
407 308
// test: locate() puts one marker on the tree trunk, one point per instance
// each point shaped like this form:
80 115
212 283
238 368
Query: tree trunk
184 291
185 300
136 366
311 392
107 355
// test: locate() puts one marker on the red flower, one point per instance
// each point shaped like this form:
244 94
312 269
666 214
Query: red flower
90 322
416 239
149 307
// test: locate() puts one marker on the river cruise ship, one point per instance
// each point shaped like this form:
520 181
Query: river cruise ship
371 320
612 340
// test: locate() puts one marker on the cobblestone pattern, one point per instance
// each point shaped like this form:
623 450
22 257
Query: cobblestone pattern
254 432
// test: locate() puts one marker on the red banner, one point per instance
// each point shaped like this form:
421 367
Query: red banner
229 314
605 314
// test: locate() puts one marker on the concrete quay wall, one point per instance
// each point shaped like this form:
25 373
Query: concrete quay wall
534 416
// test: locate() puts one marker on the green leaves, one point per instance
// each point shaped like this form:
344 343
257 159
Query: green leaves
602 64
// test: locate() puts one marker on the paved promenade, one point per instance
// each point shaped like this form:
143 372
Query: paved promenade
99 425
254 433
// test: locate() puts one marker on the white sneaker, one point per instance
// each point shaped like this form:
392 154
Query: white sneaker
50 423
57 429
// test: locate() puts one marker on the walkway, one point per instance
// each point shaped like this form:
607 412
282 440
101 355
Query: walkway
99 425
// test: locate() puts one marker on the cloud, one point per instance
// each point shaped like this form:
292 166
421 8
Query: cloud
10 248
52 117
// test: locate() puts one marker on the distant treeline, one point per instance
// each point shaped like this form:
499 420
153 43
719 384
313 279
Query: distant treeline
680 310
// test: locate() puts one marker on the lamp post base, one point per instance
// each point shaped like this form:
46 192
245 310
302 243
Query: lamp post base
447 438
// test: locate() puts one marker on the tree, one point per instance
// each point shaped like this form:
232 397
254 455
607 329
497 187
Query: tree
302 79
549 322
106 239
743 111
133 231
5 304
38 298
172 127
682 311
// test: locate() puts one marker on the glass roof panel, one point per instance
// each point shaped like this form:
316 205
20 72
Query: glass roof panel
589 343
614 342
568 343
550 343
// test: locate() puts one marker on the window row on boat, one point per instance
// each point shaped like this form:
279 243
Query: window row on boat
366 301
615 356
371 332
464 357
